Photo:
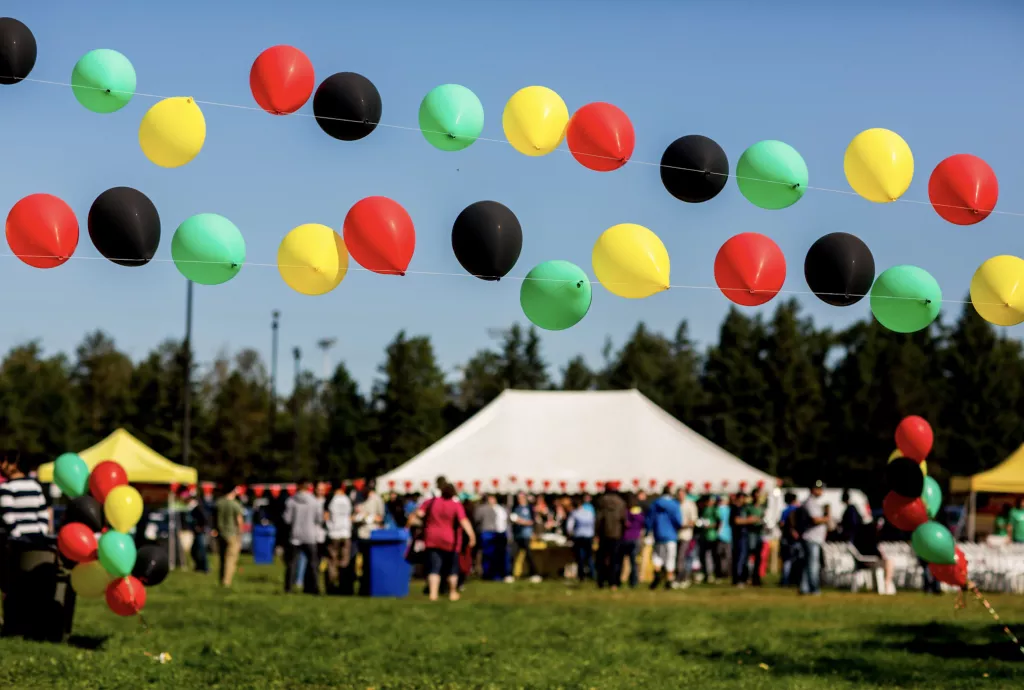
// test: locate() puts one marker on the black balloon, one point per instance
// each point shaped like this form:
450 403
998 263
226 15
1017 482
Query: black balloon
124 226
487 239
347 106
87 510
17 51
694 169
904 477
151 565
839 269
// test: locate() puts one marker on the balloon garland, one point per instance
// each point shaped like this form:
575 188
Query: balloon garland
629 260
106 560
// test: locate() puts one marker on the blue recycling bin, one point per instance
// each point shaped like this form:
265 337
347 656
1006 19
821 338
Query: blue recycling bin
264 538
389 571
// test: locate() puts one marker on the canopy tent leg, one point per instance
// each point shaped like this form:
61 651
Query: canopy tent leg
972 505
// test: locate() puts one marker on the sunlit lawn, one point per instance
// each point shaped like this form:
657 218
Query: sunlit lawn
522 635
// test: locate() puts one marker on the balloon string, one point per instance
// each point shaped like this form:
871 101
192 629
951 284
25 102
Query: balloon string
135 605
995 616
634 161
524 279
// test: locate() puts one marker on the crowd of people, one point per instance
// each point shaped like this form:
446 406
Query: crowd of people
703 539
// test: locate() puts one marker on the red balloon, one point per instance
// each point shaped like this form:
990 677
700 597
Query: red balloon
914 438
953 574
379 235
126 596
42 231
963 189
600 137
282 79
77 542
904 513
104 478
750 269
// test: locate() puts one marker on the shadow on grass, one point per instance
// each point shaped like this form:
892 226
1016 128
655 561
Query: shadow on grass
90 643
881 659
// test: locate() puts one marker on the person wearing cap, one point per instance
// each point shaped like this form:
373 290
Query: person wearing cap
813 534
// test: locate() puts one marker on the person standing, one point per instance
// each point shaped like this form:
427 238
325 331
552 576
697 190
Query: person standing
664 521
200 518
684 561
580 528
813 535
442 517
753 518
338 521
724 536
522 534
632 538
493 521
740 543
707 539
230 517
789 542
369 516
851 522
23 509
610 527
1017 522
304 513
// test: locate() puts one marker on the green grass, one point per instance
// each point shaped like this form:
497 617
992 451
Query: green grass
525 636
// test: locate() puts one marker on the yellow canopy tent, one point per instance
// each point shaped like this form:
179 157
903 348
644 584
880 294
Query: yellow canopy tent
1005 478
142 464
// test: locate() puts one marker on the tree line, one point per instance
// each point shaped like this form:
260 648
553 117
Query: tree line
795 400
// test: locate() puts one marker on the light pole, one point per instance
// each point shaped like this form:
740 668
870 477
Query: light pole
186 431
326 344
296 404
274 316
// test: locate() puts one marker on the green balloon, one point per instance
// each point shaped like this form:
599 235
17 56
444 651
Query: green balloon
931 496
934 543
117 553
208 249
905 299
71 475
103 81
451 117
556 295
772 175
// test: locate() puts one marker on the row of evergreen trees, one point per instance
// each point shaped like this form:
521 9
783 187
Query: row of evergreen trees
789 398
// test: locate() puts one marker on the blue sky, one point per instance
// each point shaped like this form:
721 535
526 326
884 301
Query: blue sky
944 75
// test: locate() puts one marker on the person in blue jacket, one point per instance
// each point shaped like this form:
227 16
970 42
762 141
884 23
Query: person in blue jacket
664 521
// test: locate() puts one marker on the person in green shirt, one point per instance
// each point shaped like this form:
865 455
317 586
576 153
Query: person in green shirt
707 538
230 516
753 518
1017 522
1002 523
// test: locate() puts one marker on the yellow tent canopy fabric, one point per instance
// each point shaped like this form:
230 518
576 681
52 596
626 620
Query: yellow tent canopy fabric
143 464
1005 478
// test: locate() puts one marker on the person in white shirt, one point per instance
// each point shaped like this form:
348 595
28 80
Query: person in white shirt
814 532
338 521
684 561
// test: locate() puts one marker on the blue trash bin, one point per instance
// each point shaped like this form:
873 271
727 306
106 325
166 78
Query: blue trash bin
389 571
264 538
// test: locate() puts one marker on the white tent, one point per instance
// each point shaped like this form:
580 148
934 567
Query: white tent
569 441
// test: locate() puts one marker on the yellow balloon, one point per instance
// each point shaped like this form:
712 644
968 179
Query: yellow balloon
89 579
172 132
630 261
123 507
895 454
997 290
879 165
534 120
312 259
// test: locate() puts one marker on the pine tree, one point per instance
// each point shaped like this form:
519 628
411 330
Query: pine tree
577 376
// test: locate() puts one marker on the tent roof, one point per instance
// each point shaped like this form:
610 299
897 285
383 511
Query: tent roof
573 437
1005 478
142 464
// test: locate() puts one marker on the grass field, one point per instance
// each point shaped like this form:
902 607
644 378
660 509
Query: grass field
524 636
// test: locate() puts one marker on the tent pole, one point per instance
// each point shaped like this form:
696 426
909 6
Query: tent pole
972 506
172 541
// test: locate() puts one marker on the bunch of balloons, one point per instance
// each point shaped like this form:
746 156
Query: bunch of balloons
914 499
106 559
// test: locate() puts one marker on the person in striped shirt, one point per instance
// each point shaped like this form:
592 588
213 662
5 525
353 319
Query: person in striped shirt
23 509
